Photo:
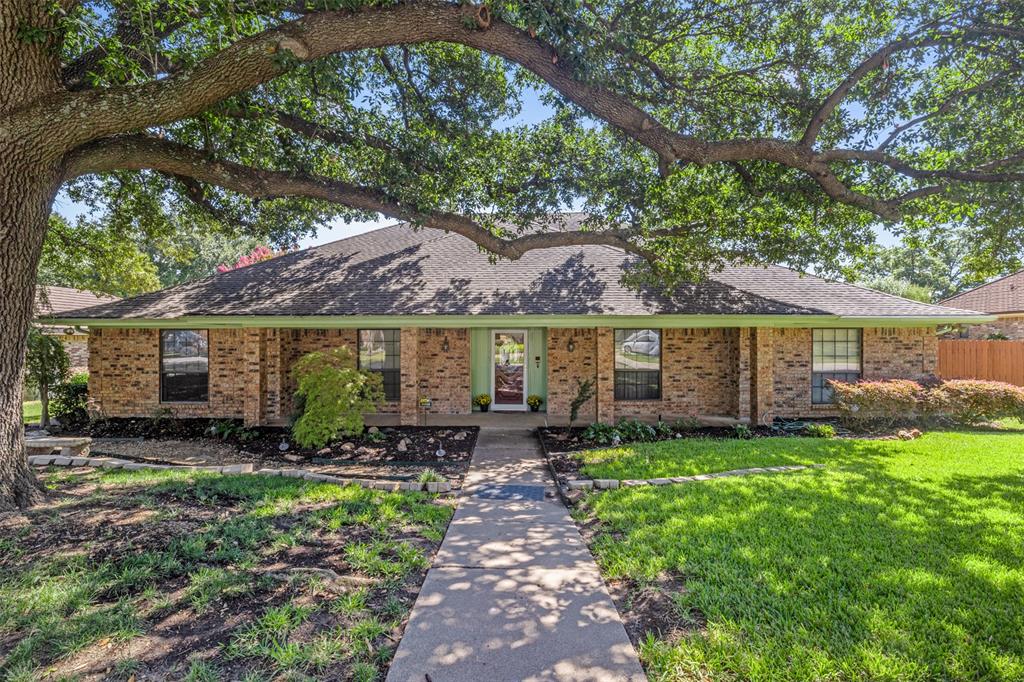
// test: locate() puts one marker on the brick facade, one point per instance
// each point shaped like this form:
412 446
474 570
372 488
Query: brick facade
742 373
124 374
566 367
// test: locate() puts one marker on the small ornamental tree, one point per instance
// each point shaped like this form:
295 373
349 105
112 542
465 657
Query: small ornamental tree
334 395
257 255
47 365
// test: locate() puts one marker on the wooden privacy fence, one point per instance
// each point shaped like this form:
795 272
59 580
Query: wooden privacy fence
992 360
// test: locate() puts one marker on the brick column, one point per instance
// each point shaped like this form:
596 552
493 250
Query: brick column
743 376
255 376
410 361
605 375
274 375
762 408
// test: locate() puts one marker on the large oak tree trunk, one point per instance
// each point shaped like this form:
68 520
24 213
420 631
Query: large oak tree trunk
25 200
30 174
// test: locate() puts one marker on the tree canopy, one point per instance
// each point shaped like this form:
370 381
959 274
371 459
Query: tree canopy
695 133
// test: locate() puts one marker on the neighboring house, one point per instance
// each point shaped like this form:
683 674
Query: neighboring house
438 320
54 302
1003 298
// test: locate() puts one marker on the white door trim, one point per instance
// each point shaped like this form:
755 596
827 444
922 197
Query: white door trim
526 362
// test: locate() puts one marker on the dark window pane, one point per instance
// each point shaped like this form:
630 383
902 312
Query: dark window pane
380 351
184 366
637 364
821 391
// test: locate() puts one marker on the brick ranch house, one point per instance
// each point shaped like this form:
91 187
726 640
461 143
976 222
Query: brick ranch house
1003 298
441 322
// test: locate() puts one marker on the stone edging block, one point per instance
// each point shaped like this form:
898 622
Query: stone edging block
114 463
612 484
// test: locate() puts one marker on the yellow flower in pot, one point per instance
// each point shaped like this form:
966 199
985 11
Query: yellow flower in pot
534 401
483 401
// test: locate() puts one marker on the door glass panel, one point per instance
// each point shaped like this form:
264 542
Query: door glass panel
509 367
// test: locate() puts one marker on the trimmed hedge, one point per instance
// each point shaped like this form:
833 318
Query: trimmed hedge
900 401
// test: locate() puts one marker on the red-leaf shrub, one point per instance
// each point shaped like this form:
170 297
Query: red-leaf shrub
971 401
879 402
900 401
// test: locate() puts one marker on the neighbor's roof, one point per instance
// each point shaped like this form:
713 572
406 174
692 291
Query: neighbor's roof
52 301
396 271
1004 295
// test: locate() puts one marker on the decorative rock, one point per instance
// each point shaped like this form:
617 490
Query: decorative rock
61 461
245 468
682 479
292 473
292 458
324 451
373 429
269 472
606 484
403 445
348 447
433 487
461 435
410 485
581 484
633 483
659 481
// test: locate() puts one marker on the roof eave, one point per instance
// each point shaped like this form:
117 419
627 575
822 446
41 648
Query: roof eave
602 320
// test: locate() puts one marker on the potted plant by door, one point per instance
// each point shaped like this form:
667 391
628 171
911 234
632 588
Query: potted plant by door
483 401
534 401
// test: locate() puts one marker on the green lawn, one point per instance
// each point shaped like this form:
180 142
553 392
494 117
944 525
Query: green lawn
897 561
31 410
168 575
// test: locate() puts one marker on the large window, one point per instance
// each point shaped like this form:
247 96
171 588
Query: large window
836 355
184 366
637 364
380 351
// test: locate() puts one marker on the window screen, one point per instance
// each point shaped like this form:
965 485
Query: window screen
637 364
836 356
380 351
184 366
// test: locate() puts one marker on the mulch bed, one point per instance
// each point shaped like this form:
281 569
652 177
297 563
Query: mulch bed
560 439
396 453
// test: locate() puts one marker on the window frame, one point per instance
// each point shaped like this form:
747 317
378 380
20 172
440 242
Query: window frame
160 368
817 392
617 397
383 371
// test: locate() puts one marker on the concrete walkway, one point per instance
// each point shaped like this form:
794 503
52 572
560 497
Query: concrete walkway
514 594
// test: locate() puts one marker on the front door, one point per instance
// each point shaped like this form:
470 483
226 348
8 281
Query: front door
508 379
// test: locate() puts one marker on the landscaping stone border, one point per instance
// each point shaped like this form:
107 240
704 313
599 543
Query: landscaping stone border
612 484
115 463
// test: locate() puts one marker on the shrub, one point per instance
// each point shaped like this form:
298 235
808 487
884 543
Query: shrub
971 401
742 431
601 433
634 430
820 431
879 402
963 401
430 476
71 400
334 396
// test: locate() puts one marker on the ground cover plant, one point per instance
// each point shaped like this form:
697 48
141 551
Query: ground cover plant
167 575
897 560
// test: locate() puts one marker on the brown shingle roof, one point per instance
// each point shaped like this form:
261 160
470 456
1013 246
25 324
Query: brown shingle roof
1004 295
59 300
398 271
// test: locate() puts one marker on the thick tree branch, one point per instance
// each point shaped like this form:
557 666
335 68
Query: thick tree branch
139 152
987 172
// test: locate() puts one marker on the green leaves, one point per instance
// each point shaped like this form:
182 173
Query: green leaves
334 396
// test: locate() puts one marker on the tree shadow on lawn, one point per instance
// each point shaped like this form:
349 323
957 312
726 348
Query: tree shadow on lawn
863 569
153 573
